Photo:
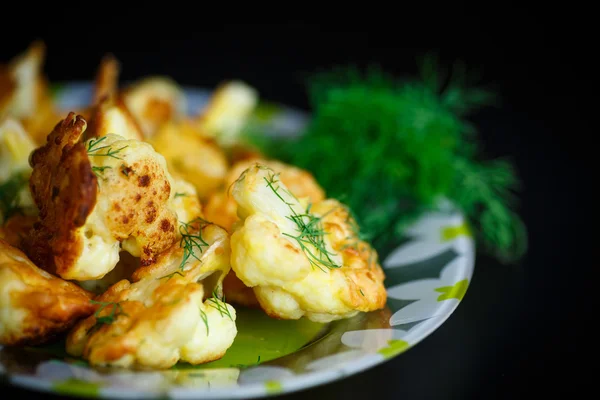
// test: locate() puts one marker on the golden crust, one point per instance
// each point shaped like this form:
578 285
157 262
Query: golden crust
137 197
34 305
16 229
64 188
364 276
106 85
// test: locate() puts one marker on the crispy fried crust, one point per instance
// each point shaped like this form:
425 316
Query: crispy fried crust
34 305
107 79
64 188
16 229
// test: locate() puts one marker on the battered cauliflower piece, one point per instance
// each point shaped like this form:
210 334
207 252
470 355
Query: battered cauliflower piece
96 198
166 314
199 161
228 111
221 208
110 114
301 260
34 305
24 93
154 101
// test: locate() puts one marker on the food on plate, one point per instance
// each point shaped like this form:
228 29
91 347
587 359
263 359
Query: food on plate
309 260
170 311
227 112
109 114
132 229
154 101
221 208
25 95
96 198
35 306
189 156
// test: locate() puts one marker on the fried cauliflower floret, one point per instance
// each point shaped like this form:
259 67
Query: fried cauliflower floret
153 101
228 111
96 198
300 260
109 113
34 305
199 161
24 92
165 314
221 208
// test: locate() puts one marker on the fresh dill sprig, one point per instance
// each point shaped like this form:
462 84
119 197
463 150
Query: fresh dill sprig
93 149
171 275
396 149
9 195
180 195
116 310
310 230
219 304
205 320
190 241
99 171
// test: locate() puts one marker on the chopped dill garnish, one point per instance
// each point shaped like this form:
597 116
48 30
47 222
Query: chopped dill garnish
190 241
9 195
115 311
205 319
219 304
99 171
361 292
93 149
180 195
310 230
172 274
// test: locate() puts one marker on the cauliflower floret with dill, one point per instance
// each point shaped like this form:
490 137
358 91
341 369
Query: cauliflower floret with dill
171 311
301 260
96 198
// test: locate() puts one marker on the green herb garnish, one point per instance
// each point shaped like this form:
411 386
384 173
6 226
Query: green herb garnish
189 241
93 149
395 149
205 320
309 227
180 195
115 311
219 304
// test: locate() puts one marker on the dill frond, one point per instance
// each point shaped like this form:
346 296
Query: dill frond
116 310
190 240
94 148
219 304
205 320
310 230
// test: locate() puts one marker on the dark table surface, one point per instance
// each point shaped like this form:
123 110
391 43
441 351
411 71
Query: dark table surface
517 330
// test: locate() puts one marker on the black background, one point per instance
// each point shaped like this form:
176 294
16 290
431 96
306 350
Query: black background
518 330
